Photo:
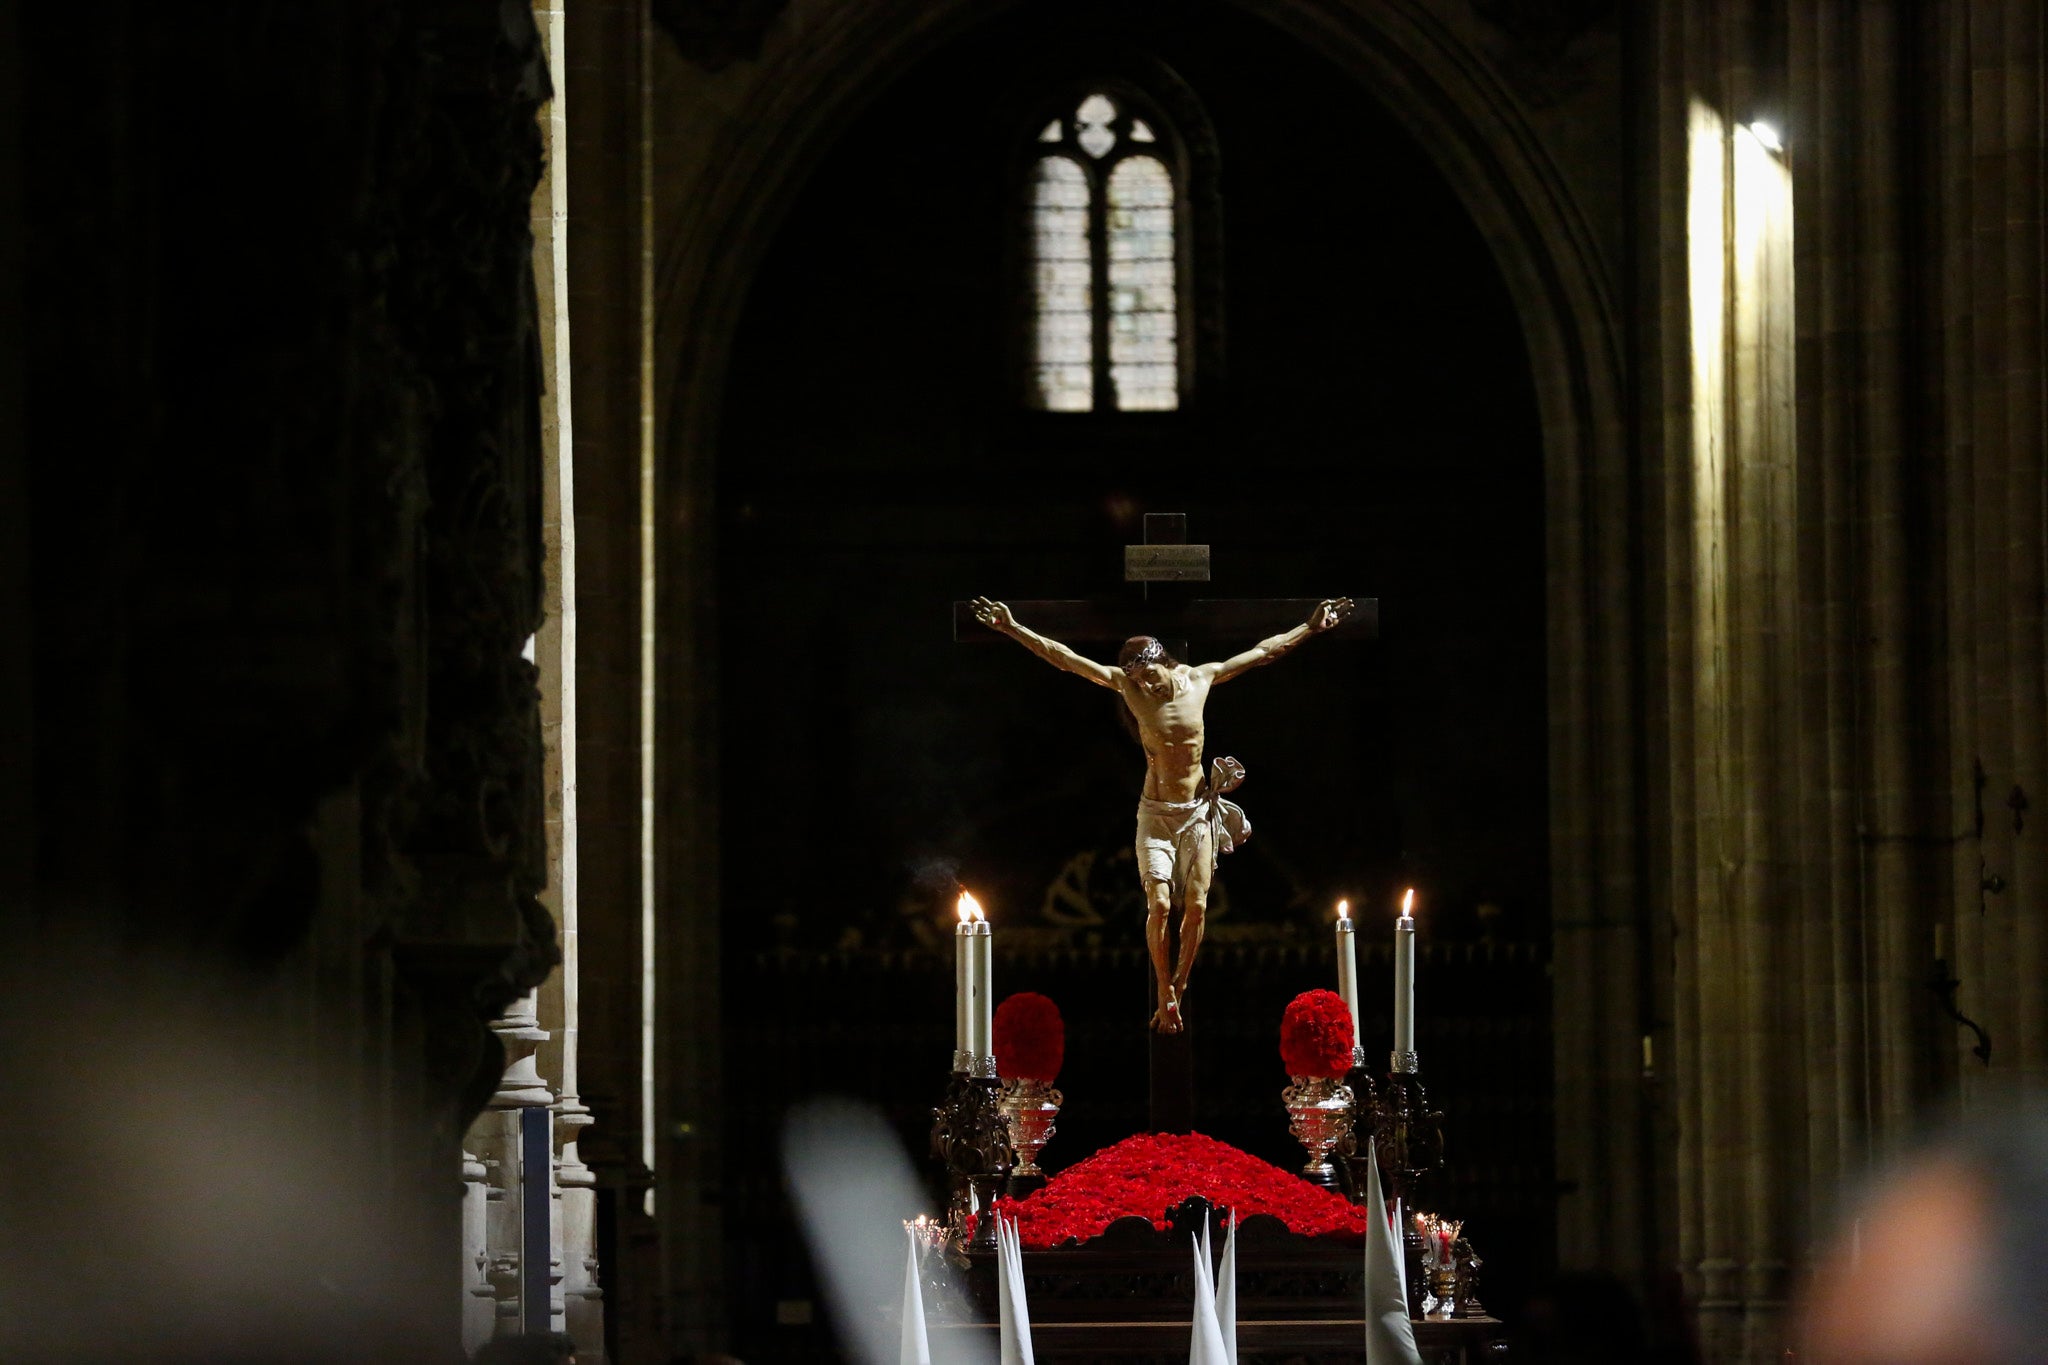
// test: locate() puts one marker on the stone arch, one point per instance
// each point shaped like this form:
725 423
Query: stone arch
1465 115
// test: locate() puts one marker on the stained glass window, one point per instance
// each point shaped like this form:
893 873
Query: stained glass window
1143 352
1064 268
1106 294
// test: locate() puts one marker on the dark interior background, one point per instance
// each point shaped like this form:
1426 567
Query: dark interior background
1371 432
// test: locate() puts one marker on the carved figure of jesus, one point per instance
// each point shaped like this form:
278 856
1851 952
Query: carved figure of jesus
1182 817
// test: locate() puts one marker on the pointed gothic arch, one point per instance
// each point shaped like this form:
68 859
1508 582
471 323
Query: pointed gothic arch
711 239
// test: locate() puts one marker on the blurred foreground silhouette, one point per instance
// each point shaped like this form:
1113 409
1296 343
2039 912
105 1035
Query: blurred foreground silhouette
184 1188
1945 1260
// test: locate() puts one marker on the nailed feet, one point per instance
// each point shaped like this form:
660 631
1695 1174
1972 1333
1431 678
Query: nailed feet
1167 1018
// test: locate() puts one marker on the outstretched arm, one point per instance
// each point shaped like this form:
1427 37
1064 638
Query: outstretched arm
1325 617
997 618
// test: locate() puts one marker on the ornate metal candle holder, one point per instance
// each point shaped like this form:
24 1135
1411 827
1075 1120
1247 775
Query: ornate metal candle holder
1440 1264
1468 1281
1351 1150
1408 1133
930 1233
1028 1108
969 1135
1319 1114
1410 1138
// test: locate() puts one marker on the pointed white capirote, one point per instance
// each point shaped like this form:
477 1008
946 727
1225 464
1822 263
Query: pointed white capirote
1389 1336
1401 1245
1226 1293
917 1345
1013 1313
1205 1341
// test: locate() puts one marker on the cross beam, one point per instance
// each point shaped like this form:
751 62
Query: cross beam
1075 621
1165 558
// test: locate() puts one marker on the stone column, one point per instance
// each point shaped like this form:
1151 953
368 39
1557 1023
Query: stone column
479 1296
495 1138
1987 227
1853 596
1730 606
608 254
579 1312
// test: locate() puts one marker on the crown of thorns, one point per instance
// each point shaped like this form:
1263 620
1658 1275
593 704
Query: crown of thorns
1151 652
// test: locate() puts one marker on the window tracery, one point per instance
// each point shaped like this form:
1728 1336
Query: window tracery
1107 244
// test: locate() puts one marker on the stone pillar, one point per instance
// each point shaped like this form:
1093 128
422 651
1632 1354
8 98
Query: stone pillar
1985 212
607 125
479 1297
579 1311
1731 604
1852 598
495 1138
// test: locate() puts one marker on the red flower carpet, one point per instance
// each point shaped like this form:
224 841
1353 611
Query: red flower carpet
1147 1175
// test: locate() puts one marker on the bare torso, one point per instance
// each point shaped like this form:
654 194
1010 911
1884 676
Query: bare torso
1171 731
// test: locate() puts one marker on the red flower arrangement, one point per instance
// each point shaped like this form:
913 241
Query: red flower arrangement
1315 1035
1030 1038
1149 1175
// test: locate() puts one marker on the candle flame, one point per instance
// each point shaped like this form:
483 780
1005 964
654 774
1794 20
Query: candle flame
1408 901
1343 909
970 909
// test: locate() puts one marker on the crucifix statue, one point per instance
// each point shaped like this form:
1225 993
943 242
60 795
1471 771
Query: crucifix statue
1184 823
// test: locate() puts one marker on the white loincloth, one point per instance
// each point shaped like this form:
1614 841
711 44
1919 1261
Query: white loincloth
1170 833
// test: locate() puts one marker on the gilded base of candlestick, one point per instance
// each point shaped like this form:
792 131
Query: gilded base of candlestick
969 1135
1439 1243
1319 1116
1443 1283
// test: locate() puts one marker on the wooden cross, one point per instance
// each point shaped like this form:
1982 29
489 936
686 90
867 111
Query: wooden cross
1165 558
1174 618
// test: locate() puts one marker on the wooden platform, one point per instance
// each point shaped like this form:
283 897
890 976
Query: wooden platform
1453 1342
1128 1295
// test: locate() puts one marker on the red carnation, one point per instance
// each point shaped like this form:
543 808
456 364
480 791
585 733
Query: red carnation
1149 1175
1315 1035
1031 1039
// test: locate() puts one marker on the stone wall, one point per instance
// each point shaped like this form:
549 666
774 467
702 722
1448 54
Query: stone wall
1845 505
281 457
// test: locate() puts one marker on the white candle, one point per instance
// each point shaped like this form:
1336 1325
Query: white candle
1404 979
963 940
1347 967
980 1004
